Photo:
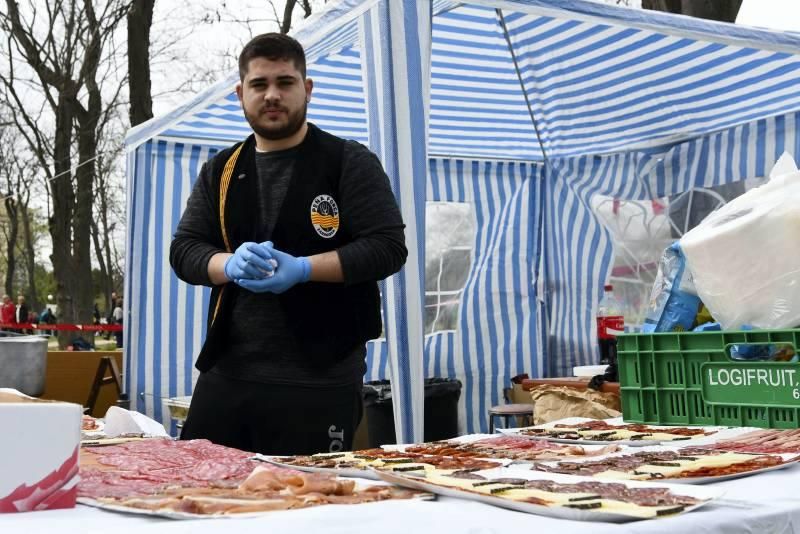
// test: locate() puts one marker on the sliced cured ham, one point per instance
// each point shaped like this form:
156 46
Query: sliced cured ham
773 441
296 482
198 478
89 423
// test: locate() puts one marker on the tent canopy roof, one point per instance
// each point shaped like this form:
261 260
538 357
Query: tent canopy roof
597 79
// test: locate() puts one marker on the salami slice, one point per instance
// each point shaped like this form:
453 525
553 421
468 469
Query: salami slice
147 467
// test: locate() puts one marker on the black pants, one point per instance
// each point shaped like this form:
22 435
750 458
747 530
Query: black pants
273 419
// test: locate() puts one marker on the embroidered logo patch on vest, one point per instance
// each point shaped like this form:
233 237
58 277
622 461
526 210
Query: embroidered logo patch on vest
325 216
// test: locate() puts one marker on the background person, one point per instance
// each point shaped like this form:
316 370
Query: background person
8 312
21 313
118 315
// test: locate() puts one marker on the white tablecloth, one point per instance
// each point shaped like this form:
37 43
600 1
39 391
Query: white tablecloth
763 504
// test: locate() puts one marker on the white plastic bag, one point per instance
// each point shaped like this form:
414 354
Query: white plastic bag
119 421
745 257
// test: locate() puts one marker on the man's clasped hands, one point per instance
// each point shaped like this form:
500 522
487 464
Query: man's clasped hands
261 268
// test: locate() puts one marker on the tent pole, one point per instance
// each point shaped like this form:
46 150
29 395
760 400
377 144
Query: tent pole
541 264
396 55
522 85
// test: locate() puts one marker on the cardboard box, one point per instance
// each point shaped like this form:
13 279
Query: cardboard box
38 453
519 395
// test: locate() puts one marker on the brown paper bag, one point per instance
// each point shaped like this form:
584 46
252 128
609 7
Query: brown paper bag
551 403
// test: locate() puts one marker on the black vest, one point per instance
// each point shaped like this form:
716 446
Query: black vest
329 320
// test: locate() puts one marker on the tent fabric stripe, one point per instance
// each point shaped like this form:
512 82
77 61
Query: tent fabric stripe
475 90
336 40
645 19
167 315
623 100
594 87
498 291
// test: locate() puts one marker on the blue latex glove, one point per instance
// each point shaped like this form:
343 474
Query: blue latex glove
289 272
250 261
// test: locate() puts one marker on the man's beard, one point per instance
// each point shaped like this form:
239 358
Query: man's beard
295 121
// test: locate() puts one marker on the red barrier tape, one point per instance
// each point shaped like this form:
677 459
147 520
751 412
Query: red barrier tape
70 327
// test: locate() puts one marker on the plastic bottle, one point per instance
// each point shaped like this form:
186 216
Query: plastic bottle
610 322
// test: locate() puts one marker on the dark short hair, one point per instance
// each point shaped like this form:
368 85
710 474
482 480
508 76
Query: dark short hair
273 46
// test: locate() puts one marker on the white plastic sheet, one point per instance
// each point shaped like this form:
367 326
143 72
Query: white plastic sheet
745 258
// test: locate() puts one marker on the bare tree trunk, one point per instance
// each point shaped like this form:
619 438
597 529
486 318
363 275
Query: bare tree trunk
105 276
107 238
101 236
30 255
13 231
82 220
17 168
112 272
722 10
669 6
60 223
286 23
140 19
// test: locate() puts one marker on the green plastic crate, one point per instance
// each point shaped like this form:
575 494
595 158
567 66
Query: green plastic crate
688 378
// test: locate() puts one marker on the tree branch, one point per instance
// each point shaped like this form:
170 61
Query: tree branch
288 8
25 40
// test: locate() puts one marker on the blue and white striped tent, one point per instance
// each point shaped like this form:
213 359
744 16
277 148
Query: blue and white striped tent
525 109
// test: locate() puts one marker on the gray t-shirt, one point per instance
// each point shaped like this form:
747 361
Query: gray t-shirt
263 348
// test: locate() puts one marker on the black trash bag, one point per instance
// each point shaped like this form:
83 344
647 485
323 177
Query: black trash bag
441 410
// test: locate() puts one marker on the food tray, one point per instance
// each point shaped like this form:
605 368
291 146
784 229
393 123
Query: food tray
615 421
789 459
705 494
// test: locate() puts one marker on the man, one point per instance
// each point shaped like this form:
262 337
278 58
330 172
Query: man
21 312
292 229
8 311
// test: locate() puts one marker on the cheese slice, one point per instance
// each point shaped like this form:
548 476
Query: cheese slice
350 457
556 499
630 509
612 434
720 460
387 464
